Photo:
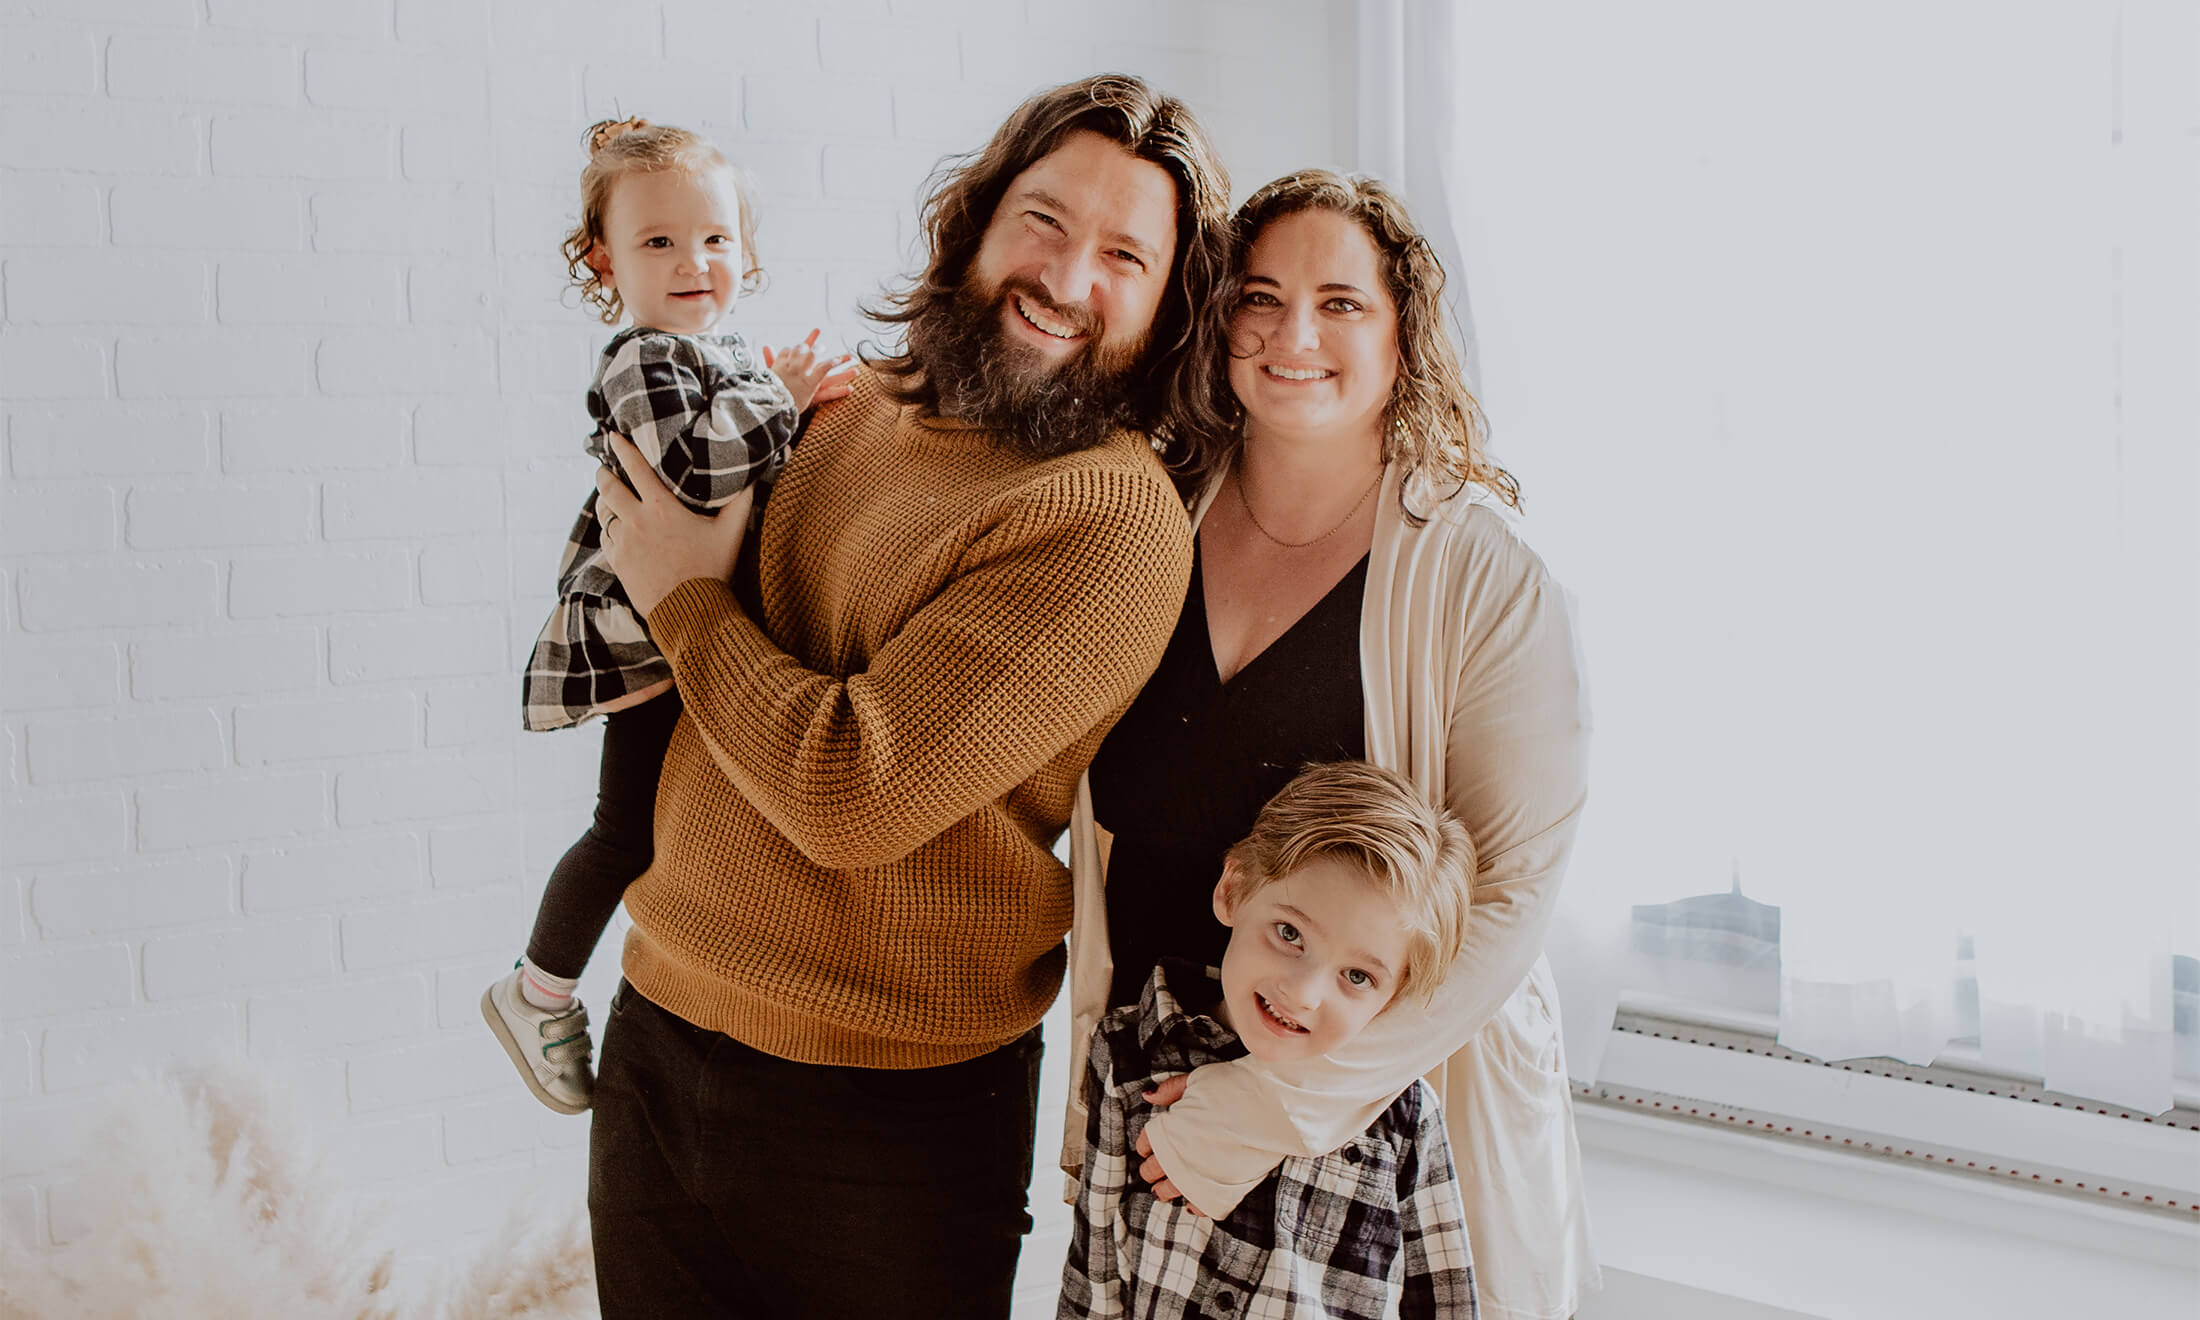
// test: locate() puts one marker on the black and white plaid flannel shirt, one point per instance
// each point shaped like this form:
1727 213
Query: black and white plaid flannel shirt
1350 1235
713 420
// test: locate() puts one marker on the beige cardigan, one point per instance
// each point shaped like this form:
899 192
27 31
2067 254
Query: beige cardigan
1474 692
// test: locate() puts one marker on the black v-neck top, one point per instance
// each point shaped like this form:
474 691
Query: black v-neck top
1186 769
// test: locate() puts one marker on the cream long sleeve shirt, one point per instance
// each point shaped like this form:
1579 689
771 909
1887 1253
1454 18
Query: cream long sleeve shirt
1474 692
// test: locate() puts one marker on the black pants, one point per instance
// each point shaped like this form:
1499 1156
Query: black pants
587 883
723 1181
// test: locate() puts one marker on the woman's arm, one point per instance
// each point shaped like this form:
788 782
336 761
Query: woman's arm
1515 771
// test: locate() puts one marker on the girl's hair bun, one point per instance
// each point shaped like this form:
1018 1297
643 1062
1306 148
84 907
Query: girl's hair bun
601 135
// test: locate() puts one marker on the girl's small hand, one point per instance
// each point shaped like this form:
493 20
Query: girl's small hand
810 376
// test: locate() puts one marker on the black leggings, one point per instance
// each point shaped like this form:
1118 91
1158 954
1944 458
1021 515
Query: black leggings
587 883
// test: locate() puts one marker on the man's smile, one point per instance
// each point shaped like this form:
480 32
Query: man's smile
1042 320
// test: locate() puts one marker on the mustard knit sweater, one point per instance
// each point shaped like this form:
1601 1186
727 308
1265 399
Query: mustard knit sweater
857 810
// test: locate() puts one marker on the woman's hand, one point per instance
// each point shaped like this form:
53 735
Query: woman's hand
810 376
1163 1095
654 542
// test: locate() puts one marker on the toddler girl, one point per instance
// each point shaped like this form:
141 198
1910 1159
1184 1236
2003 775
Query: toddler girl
666 236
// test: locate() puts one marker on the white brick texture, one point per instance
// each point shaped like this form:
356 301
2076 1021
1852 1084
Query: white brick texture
50 211
175 893
112 1050
173 516
49 672
51 366
69 829
49 60
105 594
45 519
320 582
39 982
215 67
208 215
119 288
325 729
331 874
419 789
332 1016
319 290
313 435
109 440
224 811
268 952
212 363
269 144
222 664
291 394
73 749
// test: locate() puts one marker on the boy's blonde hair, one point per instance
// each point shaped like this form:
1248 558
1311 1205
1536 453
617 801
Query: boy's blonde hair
619 146
1361 814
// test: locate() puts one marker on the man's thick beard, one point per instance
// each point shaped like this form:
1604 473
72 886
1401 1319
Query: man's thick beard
983 377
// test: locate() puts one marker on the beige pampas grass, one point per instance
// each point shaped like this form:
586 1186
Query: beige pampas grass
209 1203
525 1274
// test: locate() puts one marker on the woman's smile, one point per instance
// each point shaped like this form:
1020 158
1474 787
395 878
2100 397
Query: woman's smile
1278 371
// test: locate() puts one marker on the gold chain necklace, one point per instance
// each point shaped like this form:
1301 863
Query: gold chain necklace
1237 479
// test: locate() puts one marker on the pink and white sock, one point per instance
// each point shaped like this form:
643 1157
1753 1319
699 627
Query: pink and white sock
542 990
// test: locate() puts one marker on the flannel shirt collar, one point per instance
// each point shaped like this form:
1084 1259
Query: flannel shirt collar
1176 1022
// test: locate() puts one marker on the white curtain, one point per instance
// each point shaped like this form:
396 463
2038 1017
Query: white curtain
1409 108
1846 357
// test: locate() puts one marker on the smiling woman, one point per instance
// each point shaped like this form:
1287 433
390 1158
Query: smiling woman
1360 591
1315 349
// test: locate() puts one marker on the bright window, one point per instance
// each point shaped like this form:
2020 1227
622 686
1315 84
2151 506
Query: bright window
1847 358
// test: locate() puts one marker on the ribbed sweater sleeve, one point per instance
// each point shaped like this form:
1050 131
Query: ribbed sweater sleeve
1038 637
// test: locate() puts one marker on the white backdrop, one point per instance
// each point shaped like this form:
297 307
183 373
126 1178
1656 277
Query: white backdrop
1846 355
294 418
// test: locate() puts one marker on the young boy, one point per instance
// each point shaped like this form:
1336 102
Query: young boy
1344 902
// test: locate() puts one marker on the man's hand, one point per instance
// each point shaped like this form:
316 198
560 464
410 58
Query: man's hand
654 542
810 376
1163 1095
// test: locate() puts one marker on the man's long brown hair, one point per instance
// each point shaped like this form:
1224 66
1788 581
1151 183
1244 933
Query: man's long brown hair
1174 392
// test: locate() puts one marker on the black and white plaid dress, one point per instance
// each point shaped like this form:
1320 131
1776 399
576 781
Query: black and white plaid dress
1373 1230
712 420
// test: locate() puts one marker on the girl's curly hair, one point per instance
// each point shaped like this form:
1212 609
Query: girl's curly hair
617 147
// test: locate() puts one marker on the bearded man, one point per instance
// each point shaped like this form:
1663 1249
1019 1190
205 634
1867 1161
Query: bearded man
819 1081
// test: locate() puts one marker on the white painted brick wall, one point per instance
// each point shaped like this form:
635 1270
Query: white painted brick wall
292 424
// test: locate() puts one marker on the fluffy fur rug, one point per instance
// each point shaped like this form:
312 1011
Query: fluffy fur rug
211 1204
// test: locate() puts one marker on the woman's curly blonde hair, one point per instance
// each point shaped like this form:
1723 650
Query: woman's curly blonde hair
617 147
1433 423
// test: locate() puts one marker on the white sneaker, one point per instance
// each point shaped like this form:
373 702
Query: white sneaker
551 1050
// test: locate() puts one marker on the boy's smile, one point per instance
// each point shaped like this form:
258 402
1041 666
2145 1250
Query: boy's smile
1313 957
